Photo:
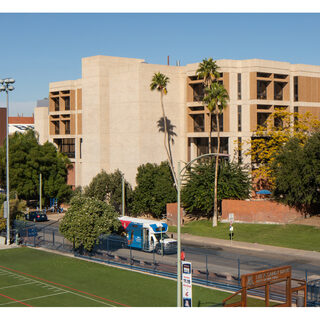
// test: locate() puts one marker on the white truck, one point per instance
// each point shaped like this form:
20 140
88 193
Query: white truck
148 235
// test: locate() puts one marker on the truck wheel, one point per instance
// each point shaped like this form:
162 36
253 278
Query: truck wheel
159 251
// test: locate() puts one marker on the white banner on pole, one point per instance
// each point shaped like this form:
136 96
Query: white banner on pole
186 284
5 209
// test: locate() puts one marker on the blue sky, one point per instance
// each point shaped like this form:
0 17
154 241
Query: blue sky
38 48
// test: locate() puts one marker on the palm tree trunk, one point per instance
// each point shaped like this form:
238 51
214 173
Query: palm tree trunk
167 142
215 209
210 133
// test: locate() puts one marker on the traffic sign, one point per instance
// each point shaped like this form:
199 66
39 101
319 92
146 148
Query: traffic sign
187 284
231 217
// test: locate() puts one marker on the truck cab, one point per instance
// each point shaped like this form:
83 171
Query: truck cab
148 235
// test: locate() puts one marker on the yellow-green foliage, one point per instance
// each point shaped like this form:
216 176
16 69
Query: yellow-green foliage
16 211
268 139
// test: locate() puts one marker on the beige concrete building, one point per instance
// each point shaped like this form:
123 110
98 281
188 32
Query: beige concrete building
108 119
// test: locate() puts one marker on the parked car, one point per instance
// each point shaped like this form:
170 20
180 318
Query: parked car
36 216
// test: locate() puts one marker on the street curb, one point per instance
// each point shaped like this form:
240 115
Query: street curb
215 242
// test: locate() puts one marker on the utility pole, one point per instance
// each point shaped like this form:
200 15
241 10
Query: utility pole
40 192
123 196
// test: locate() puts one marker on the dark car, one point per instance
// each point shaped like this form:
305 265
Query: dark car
36 216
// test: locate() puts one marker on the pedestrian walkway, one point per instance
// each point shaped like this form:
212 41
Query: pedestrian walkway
214 242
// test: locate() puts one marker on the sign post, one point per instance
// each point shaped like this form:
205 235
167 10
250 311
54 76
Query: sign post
186 284
231 220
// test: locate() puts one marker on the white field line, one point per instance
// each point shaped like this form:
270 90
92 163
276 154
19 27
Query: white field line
45 285
17 285
46 296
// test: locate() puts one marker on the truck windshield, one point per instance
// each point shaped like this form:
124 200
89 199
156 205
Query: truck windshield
159 237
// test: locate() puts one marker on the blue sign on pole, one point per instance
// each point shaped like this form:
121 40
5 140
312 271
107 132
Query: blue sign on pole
32 232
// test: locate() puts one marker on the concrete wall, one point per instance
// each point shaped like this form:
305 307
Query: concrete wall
120 114
258 211
41 123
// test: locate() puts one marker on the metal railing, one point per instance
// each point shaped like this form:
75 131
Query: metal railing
114 250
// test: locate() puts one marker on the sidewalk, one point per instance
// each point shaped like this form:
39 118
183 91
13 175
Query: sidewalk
214 242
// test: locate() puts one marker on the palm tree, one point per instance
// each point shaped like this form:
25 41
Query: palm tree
159 82
216 99
208 71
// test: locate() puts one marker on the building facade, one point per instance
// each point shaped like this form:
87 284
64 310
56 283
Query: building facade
110 119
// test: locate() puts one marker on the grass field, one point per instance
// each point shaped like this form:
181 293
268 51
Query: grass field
30 277
289 236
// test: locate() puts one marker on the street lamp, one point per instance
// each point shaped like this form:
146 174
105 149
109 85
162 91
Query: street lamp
6 85
180 175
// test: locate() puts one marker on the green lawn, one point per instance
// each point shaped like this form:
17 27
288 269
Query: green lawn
289 236
41 279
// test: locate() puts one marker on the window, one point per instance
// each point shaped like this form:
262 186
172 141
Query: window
262 118
239 86
214 122
239 118
56 127
262 89
296 116
278 91
239 150
80 148
66 146
202 146
296 96
67 127
56 104
263 75
198 92
198 122
67 103
224 145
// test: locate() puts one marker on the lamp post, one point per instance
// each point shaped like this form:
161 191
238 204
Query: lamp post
180 177
6 85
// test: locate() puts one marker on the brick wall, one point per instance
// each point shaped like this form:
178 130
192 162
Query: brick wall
172 214
258 211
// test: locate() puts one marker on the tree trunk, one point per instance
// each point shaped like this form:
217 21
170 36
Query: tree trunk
210 133
215 209
166 141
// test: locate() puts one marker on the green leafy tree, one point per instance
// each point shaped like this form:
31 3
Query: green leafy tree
154 189
87 219
198 191
296 171
27 159
159 82
17 208
108 187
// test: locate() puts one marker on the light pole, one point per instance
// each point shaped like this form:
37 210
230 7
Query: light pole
6 85
180 176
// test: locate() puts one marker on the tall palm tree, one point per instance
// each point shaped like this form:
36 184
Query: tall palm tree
208 71
159 82
216 99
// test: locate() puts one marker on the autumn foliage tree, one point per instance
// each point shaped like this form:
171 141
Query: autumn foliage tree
267 140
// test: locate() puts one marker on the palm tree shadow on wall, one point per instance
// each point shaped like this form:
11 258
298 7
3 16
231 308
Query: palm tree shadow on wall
171 132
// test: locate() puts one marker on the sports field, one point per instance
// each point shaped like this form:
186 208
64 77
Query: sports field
35 278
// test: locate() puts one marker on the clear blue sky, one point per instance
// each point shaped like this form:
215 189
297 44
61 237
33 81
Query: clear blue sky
40 48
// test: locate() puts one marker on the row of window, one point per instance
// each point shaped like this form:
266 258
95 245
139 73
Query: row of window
198 89
57 103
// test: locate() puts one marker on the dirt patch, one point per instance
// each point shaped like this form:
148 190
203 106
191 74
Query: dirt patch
311 221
